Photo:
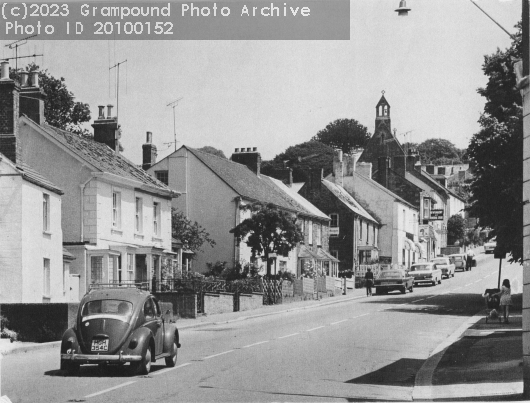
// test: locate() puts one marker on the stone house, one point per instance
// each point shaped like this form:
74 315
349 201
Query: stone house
116 219
215 190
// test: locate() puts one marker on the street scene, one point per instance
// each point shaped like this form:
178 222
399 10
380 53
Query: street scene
254 209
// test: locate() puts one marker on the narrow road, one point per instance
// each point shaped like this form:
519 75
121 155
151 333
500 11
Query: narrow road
368 348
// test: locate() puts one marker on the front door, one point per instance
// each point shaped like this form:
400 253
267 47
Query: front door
74 288
141 269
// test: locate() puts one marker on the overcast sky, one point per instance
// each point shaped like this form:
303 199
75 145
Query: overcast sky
274 94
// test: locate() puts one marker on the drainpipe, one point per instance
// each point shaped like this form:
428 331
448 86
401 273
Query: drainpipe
82 186
237 220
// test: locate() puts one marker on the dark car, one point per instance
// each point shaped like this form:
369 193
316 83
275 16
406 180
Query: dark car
390 280
119 325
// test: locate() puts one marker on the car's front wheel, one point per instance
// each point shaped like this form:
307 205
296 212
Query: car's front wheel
171 361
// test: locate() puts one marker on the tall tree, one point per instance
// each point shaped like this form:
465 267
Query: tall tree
456 229
212 150
268 230
301 158
346 134
60 108
495 153
191 234
439 152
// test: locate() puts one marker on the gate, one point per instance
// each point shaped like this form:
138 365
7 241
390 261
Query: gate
272 292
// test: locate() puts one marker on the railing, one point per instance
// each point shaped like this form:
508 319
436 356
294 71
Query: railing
121 284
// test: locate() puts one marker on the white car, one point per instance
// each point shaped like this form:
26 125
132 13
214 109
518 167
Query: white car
489 247
426 273
445 265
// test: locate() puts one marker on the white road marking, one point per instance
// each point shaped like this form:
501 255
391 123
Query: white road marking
418 300
289 335
255 344
478 281
170 369
432 296
467 285
355 317
315 328
109 389
340 321
217 355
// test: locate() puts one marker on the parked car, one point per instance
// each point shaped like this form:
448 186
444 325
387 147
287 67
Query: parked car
489 247
119 325
391 280
445 265
459 260
426 273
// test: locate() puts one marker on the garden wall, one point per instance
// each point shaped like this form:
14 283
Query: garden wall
39 322
220 302
250 301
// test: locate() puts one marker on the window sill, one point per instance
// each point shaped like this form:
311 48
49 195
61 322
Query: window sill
156 239
47 233
116 231
138 236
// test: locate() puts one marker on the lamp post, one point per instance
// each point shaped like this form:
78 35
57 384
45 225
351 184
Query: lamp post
522 71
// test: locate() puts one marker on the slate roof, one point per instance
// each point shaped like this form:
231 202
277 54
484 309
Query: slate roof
251 186
103 157
30 175
427 179
348 200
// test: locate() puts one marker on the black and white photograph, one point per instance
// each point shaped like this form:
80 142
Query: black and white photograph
264 201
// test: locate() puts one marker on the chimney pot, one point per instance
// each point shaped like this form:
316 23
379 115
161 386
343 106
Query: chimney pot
242 149
109 111
4 73
248 149
101 112
149 137
24 78
237 150
35 79
255 149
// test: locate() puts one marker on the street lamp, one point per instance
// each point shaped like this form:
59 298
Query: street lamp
403 10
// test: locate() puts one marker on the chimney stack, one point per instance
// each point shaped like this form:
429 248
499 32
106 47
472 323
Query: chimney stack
338 167
101 112
382 170
32 97
315 179
252 159
285 175
9 113
149 152
107 130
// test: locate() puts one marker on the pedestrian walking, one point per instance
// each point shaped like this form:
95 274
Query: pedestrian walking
506 298
369 282
469 259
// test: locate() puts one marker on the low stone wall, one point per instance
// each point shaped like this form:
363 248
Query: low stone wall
218 302
39 322
248 302
303 286
184 304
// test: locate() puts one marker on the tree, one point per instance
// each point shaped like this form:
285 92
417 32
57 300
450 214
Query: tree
268 230
212 150
301 158
495 153
346 134
439 152
191 234
60 108
456 229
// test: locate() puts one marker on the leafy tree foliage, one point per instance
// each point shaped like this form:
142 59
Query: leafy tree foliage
213 150
60 108
456 229
191 234
438 152
346 134
268 230
301 158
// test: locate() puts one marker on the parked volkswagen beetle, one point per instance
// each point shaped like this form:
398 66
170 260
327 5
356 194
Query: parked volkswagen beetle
119 325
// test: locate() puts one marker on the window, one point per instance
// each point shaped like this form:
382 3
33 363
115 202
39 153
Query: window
111 269
319 234
404 220
156 218
46 277
162 176
149 309
116 209
426 208
138 215
334 253
302 229
360 230
310 236
96 269
46 212
130 266
334 220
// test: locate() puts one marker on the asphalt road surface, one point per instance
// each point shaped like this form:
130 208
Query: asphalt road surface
368 348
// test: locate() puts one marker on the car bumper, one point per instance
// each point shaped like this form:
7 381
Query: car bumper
425 280
393 287
91 358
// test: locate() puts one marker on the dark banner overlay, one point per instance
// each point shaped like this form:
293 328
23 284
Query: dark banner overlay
201 20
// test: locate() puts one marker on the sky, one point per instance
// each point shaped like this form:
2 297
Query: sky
275 94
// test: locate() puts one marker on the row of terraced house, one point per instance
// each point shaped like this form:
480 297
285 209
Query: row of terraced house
75 212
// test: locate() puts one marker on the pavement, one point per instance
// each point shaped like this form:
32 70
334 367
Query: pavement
479 361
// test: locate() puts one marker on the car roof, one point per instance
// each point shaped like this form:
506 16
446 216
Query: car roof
457 254
130 294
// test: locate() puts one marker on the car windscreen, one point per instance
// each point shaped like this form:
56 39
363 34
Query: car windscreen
390 274
440 261
118 309
421 267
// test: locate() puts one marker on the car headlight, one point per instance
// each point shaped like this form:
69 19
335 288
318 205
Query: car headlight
428 276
